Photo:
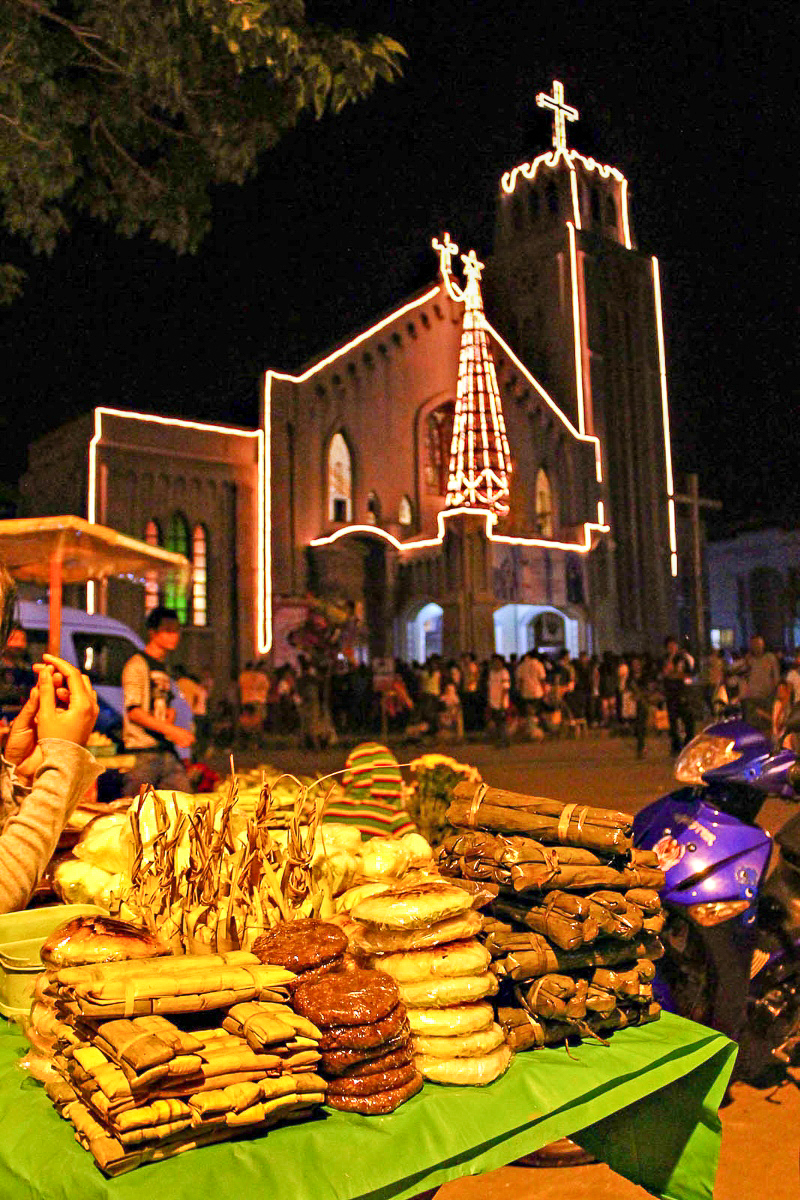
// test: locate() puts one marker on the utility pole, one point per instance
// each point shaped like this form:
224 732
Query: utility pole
692 499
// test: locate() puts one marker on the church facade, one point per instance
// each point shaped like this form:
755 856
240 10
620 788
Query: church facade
485 467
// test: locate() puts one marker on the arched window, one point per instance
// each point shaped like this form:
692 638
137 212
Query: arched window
611 211
340 480
405 513
199 576
176 593
544 505
595 203
551 195
373 509
533 204
152 535
438 436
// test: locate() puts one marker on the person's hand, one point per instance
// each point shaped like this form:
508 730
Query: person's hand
70 711
182 737
21 748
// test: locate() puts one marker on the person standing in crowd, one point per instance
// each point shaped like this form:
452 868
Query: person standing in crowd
582 692
470 679
760 672
676 675
499 698
793 677
637 686
148 720
195 694
531 677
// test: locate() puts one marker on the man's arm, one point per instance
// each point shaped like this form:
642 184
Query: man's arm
173 733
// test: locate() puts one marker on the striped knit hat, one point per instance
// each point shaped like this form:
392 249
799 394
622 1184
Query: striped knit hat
373 788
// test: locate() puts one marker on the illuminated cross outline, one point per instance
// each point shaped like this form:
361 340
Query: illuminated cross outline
446 251
561 113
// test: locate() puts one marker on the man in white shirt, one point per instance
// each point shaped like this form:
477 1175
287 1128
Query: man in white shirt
530 680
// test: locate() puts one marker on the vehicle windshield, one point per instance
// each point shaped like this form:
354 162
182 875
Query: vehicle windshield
102 656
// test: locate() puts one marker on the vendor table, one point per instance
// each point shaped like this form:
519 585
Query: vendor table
646 1104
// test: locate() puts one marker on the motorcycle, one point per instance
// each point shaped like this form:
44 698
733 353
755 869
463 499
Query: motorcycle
732 932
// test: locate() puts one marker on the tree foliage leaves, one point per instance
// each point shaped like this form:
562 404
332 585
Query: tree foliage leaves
130 110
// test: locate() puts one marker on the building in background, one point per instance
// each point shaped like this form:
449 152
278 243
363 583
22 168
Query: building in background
754 587
464 479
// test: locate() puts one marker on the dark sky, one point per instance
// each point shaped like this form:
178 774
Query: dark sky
695 102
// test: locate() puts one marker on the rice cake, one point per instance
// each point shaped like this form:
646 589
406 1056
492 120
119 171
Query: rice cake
465 1072
301 945
444 1022
355 997
373 1033
379 1103
369 939
372 1082
468 957
385 1057
443 993
413 907
467 1045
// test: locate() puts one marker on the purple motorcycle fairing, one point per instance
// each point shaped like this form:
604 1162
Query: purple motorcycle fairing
709 854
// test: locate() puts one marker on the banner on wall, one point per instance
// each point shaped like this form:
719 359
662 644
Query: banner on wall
529 575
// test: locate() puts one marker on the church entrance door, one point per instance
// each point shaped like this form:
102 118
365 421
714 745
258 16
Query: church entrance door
522 627
423 629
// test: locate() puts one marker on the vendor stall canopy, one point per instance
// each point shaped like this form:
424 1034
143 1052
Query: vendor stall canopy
69 549
84 550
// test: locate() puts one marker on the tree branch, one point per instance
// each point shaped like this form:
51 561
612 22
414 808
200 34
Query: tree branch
28 137
85 37
155 184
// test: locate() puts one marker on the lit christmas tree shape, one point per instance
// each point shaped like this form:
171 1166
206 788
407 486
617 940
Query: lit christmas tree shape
480 461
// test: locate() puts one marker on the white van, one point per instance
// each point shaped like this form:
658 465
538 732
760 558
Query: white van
100 646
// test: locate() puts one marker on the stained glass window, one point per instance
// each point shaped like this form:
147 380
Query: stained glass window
544 505
176 594
340 480
152 535
199 576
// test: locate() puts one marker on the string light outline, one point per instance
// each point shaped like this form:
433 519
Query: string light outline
662 376
551 158
490 519
485 484
181 423
561 113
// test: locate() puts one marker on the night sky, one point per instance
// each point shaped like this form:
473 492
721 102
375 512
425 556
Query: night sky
694 103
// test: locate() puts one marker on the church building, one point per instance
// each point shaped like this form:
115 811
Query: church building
485 467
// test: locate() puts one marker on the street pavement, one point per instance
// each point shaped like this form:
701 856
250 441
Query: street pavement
761 1128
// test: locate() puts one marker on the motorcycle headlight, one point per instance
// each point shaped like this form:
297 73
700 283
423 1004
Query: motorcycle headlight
704 753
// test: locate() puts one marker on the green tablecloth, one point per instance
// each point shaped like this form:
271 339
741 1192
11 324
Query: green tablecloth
646 1104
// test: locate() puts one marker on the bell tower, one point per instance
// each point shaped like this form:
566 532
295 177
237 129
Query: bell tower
581 305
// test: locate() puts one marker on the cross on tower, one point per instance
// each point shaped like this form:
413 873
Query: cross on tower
446 251
561 113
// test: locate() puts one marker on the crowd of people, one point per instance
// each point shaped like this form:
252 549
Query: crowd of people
532 696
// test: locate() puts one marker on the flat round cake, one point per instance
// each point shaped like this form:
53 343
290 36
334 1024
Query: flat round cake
357 1037
413 907
357 997
301 945
368 1085
465 1072
449 1022
380 1102
385 1057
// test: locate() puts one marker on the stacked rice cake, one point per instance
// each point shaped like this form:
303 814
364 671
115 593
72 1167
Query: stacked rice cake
423 936
366 1053
573 933
307 947
143 1087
